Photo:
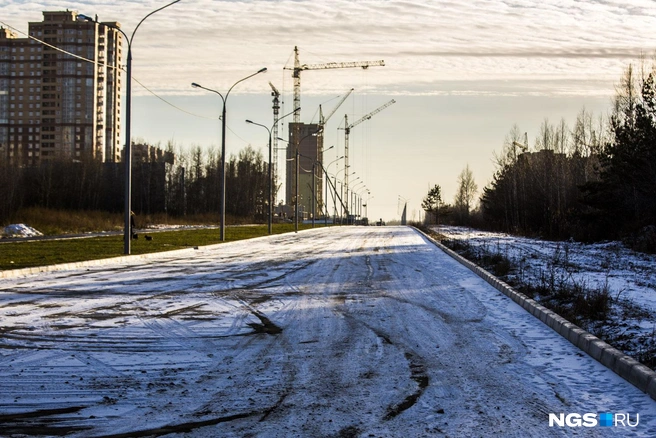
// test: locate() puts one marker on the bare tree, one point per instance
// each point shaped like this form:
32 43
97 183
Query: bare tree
466 194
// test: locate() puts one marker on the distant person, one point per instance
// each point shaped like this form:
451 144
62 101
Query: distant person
132 225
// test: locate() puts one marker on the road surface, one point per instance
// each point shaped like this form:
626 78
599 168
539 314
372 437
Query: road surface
337 332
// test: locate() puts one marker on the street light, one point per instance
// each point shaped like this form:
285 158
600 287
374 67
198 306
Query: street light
127 151
341 189
358 200
313 186
354 195
298 154
366 206
270 174
326 176
223 146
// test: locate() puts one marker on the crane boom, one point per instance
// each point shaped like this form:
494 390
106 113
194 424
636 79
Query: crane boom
274 89
371 114
363 64
324 120
298 68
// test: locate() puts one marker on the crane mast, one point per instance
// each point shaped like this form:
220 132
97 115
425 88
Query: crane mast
276 111
347 132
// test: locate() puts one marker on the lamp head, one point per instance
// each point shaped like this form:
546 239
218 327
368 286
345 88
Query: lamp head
262 70
195 85
249 121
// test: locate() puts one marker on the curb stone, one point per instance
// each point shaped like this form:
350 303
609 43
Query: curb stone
25 272
639 375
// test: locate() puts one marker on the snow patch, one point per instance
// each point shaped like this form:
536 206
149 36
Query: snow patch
21 230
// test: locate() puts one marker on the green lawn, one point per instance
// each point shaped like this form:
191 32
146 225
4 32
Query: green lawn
17 255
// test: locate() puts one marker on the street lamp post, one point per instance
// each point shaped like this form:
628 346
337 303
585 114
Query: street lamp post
341 191
298 165
366 206
354 196
358 200
326 176
270 173
127 151
222 176
313 186
348 204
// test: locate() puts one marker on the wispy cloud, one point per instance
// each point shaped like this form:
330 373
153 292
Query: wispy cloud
425 44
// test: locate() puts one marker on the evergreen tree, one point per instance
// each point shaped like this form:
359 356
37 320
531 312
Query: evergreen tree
431 205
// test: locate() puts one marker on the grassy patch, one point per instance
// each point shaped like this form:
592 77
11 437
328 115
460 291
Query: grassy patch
17 255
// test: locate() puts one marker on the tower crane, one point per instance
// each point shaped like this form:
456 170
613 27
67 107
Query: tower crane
322 123
274 134
298 68
347 132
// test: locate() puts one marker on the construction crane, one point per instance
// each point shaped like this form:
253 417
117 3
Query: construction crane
323 120
274 134
298 68
347 131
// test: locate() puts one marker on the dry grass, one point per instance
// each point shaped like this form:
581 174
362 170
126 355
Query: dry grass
54 222
57 222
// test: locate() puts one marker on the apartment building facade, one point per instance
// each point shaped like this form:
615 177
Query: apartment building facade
60 90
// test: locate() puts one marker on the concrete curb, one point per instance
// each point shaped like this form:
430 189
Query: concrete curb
639 375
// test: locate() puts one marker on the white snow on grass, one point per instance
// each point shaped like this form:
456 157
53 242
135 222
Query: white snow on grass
21 230
629 276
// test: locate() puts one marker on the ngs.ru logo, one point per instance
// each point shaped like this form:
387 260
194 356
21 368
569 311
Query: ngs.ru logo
605 419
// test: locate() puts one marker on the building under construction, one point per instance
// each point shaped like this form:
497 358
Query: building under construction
308 141
60 90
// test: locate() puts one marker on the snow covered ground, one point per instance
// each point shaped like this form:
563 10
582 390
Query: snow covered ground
341 331
629 276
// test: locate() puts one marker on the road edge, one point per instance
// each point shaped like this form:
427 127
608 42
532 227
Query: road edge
34 270
639 375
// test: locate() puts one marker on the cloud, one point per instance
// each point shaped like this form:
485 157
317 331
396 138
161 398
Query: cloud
422 42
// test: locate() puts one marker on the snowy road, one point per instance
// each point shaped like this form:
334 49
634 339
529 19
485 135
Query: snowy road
345 331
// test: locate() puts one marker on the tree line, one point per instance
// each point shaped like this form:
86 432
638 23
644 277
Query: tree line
188 185
596 180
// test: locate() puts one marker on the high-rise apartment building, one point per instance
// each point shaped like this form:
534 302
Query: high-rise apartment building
60 90
310 146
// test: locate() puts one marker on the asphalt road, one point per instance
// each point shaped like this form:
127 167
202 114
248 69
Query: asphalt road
337 332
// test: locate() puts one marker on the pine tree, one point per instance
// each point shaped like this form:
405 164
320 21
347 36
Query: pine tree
431 204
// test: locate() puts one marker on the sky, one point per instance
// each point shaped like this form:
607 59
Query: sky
461 73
